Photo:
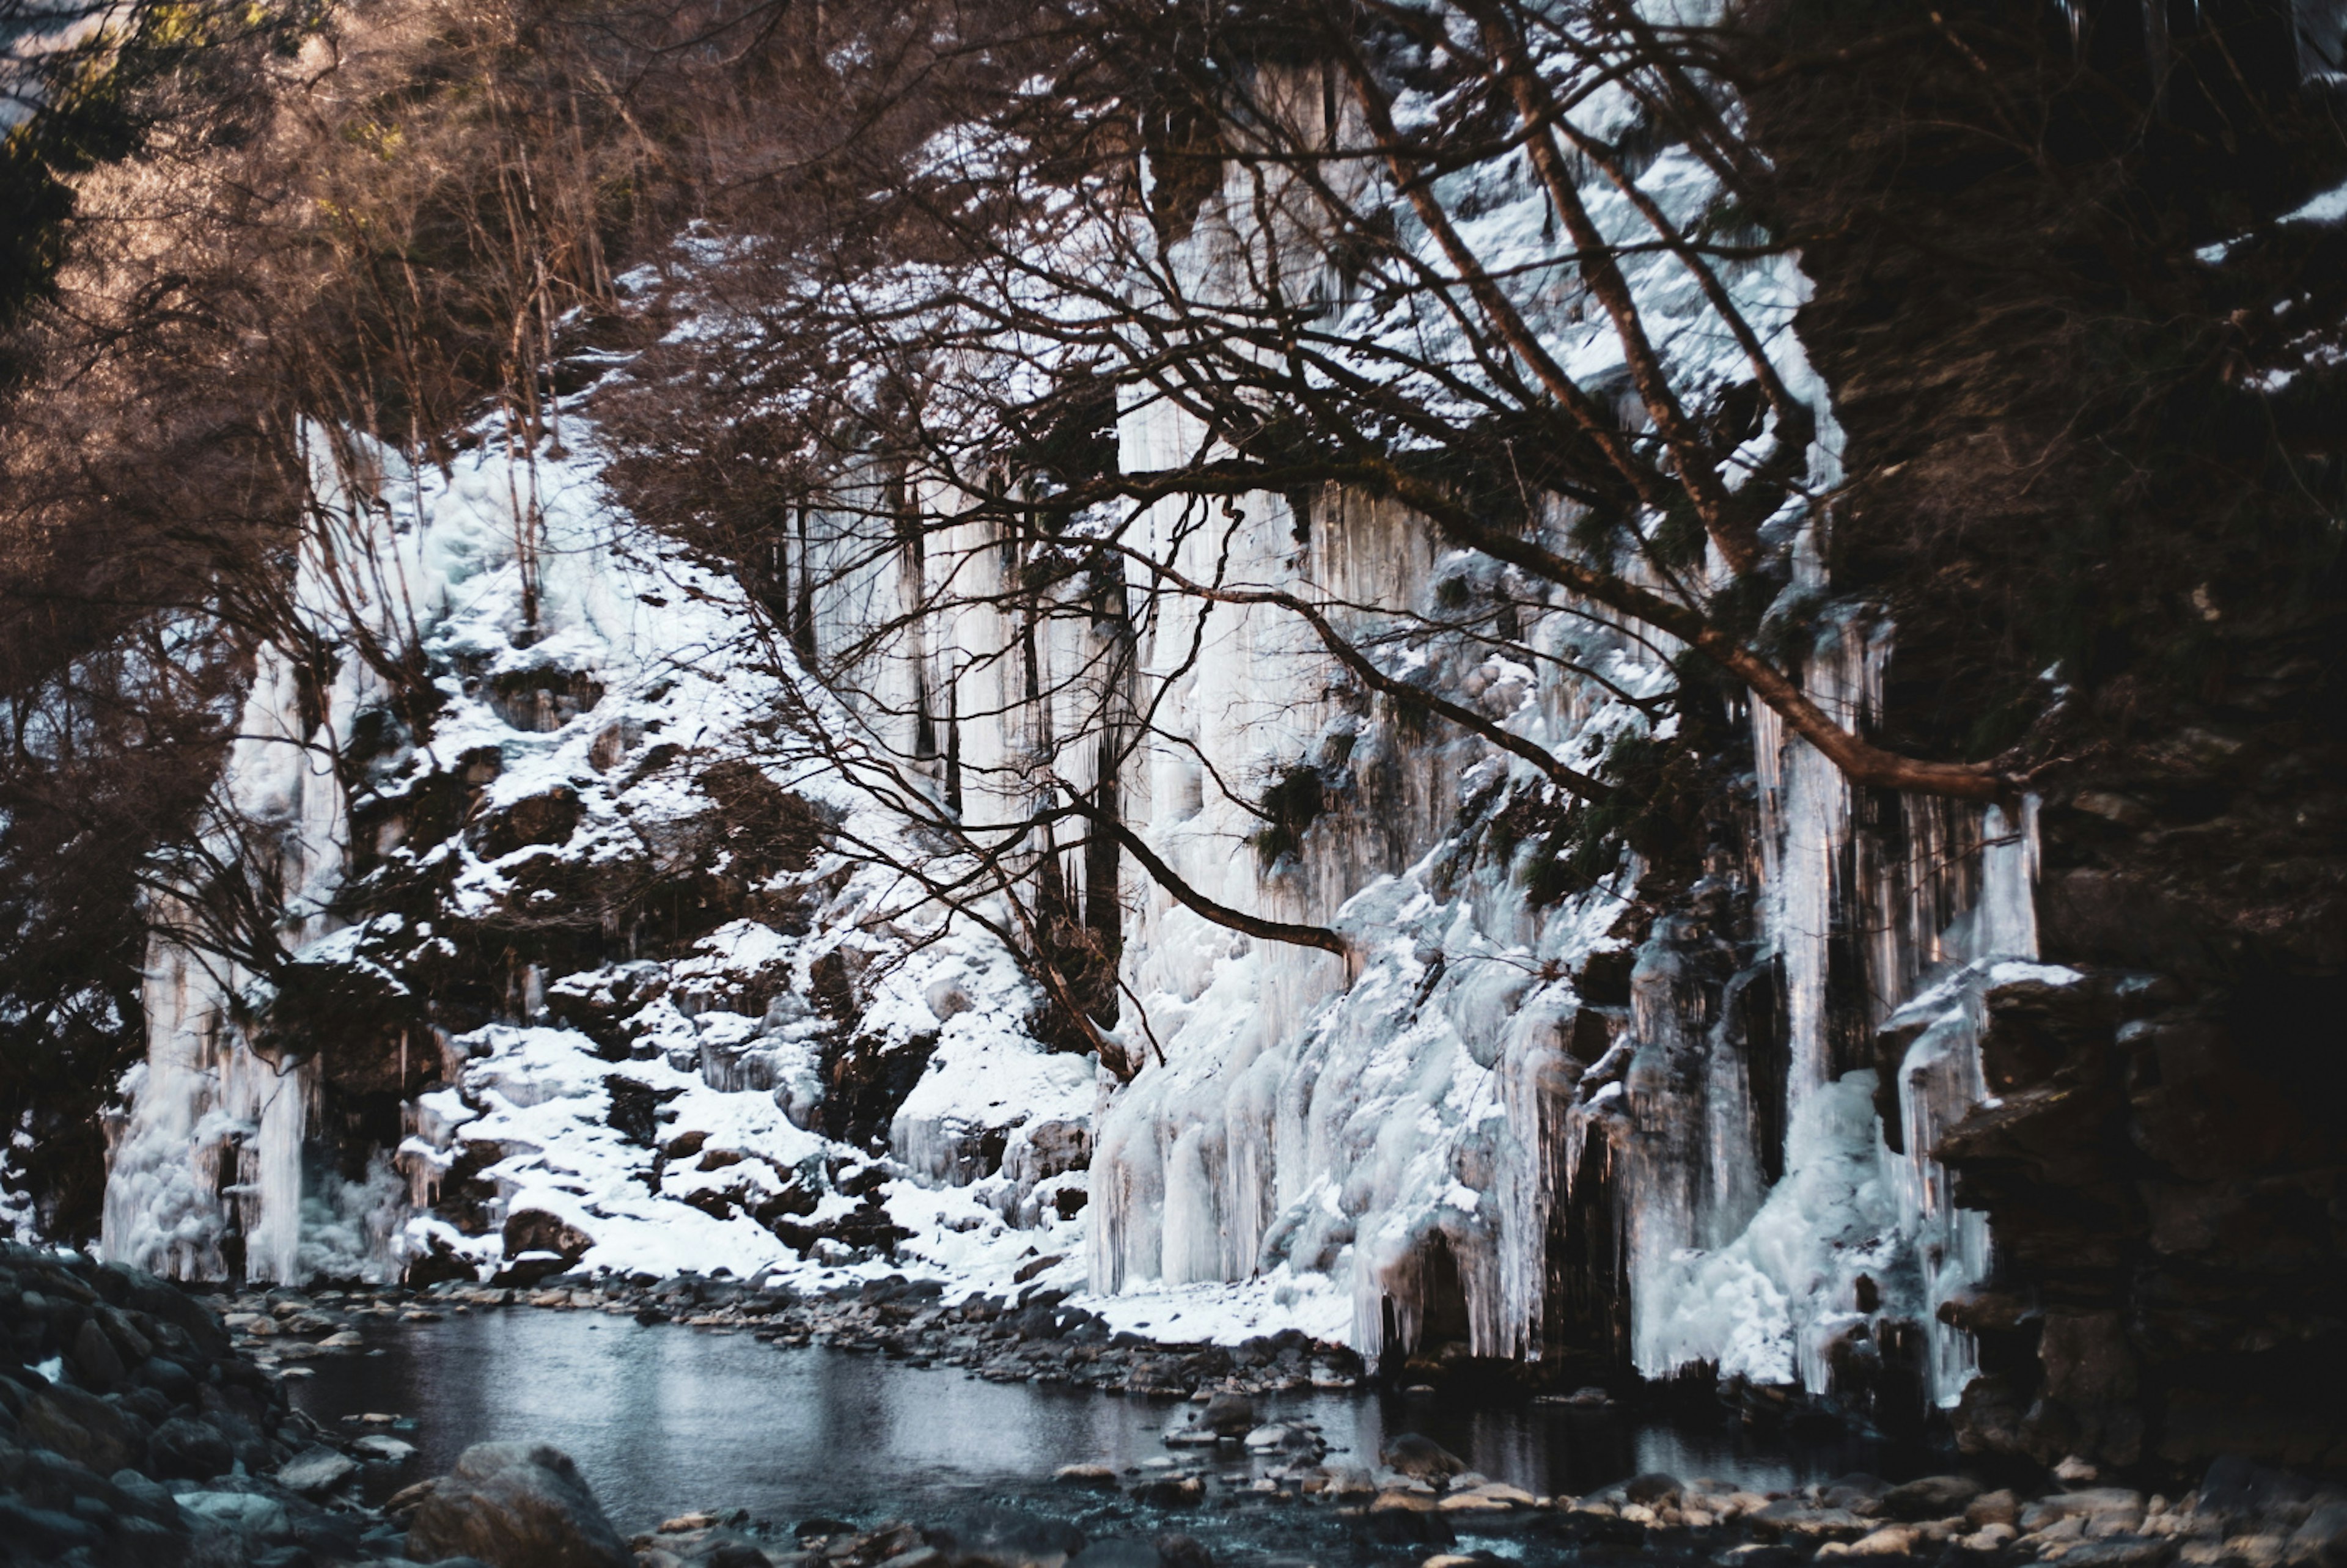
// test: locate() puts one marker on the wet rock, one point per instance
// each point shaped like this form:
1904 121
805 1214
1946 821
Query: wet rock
85 1429
1891 1540
1859 1493
515 1505
95 1360
316 1470
47 1532
1999 1507
1100 1477
182 1449
384 1449
2104 1508
2236 1487
1932 1497
1408 1527
2121 1552
1010 1538
1171 1491
1416 1455
1118 1552
253 1515
1654 1488
1229 1415
2321 1541
1177 1550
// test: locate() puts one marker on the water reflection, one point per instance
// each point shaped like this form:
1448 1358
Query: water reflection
664 1420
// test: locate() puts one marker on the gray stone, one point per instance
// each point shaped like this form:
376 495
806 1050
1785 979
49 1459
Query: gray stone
316 1470
515 1505
2321 1541
383 1447
1930 1497
95 1358
1229 1415
2110 1506
85 1429
1860 1493
248 1513
182 1449
1422 1457
2121 1552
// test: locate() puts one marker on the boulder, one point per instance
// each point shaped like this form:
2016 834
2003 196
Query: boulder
95 1358
1422 1457
1010 1538
2104 1509
1860 1493
515 1505
2321 1541
316 1471
85 1429
1229 1415
248 1513
182 1449
1932 1497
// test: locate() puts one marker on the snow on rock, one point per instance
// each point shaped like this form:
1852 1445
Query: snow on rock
545 902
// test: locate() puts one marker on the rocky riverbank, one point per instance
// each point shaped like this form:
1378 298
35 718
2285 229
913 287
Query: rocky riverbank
142 1428
1035 1336
133 1434
522 1508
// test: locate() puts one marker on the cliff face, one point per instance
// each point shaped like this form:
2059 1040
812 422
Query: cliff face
2018 1115
2107 425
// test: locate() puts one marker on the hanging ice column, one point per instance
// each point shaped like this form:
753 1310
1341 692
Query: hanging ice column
204 1166
1926 908
206 1158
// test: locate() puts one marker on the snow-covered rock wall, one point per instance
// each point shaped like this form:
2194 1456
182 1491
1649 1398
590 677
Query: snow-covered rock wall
570 971
542 972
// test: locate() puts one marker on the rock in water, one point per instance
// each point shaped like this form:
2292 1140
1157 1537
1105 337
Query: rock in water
315 1470
1422 1457
1932 1497
1229 1415
515 1505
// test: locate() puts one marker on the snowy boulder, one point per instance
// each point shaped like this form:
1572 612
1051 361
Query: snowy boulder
515 1505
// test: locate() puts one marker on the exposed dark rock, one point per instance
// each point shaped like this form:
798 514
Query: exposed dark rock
1229 1415
1413 1454
515 1505
183 1449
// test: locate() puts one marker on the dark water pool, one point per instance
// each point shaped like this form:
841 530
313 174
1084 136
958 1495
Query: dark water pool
664 1420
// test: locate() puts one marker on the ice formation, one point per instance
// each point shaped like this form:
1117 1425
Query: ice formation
1520 1126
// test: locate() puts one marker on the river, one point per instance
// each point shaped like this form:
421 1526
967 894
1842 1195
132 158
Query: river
664 1420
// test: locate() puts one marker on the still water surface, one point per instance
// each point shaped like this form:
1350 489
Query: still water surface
664 1420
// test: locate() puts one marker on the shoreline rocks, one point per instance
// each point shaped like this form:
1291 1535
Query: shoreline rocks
134 1435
